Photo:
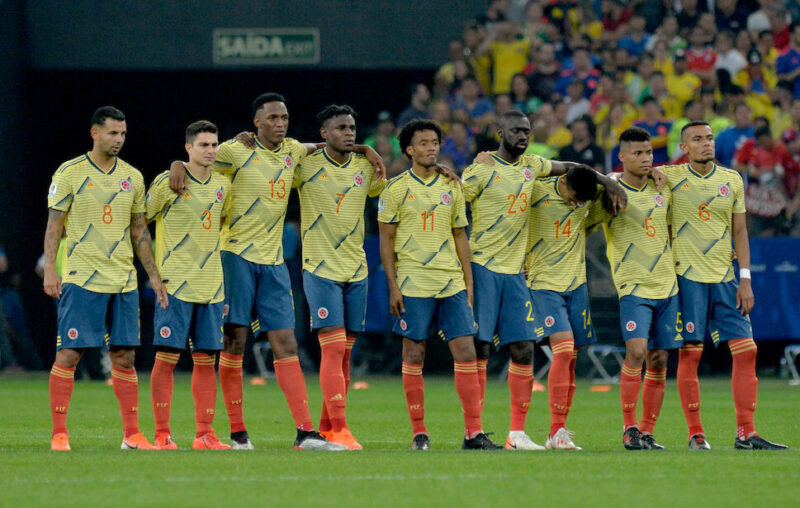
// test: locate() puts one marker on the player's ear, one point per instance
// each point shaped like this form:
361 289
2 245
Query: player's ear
256 121
621 155
188 147
94 132
324 133
410 150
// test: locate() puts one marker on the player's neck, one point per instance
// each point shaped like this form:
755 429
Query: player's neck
102 159
266 144
635 181
198 171
506 155
337 156
701 168
423 172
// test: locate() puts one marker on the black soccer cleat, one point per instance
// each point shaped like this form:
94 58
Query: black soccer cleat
480 442
421 442
649 443
632 439
757 442
698 442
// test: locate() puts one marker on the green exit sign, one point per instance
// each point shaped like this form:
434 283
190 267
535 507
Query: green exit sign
266 46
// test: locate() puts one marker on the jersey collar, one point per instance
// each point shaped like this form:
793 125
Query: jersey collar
98 168
631 187
698 175
195 179
503 161
330 159
421 182
258 144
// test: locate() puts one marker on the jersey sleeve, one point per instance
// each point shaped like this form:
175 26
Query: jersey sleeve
156 196
596 215
738 195
60 195
139 191
389 205
375 185
297 178
459 218
225 159
541 167
226 205
474 181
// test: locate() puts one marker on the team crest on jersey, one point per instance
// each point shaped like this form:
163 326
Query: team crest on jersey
659 199
403 325
447 198
125 185
220 195
358 179
549 321
630 326
72 333
287 161
724 190
165 332
527 173
690 327
381 205
322 312
53 190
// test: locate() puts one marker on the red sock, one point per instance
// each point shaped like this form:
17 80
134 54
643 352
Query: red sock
689 386
62 380
204 392
469 391
126 388
230 378
558 381
331 377
630 380
414 386
572 385
161 384
351 341
482 378
744 384
293 383
655 381
520 386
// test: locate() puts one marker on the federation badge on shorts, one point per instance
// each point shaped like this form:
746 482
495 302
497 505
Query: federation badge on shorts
358 179
288 161
125 185
72 333
630 326
724 190
690 327
225 310
165 332
527 173
220 195
549 321
447 198
53 190
659 199
381 205
322 313
403 325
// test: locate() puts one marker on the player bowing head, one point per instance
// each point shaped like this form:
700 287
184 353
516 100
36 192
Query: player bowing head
636 152
420 140
202 142
697 141
338 127
108 130
271 118
515 130
578 186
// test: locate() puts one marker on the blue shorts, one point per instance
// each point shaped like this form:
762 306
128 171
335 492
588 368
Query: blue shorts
198 322
563 312
332 303
503 308
655 320
453 317
712 308
255 292
89 319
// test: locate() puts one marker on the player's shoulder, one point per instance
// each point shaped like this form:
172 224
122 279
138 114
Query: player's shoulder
127 169
359 160
728 172
161 179
291 145
73 164
217 180
396 182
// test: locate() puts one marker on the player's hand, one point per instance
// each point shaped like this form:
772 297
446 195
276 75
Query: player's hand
396 306
248 139
160 291
376 160
659 177
614 197
484 158
52 284
744 296
470 294
448 173
177 177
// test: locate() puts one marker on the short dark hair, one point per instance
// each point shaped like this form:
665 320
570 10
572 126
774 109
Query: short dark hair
583 182
197 127
762 131
408 130
634 135
335 110
695 123
265 98
649 99
100 115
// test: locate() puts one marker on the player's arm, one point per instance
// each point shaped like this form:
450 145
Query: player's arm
617 198
388 232
741 243
462 251
373 158
143 245
52 240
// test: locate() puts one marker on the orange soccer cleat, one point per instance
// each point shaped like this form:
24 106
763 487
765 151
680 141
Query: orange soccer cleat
60 442
209 441
163 441
344 438
137 442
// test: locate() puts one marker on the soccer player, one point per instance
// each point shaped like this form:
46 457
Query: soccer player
100 200
638 247
708 211
187 253
257 284
334 184
556 266
425 252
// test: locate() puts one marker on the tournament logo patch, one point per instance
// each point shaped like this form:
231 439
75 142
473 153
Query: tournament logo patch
358 179
724 190
220 195
287 161
322 312
165 332
527 173
549 321
147 199
403 325
53 190
125 185
690 327
381 205
659 199
630 326
447 198
72 333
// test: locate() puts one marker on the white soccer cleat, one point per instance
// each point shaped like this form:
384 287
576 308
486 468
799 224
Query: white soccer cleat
561 440
246 445
521 441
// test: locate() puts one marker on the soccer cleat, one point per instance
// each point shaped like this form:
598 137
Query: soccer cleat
209 441
561 440
344 438
649 443
632 439
757 442
698 442
163 441
421 442
327 434
137 442
60 442
312 440
522 442
480 442
241 441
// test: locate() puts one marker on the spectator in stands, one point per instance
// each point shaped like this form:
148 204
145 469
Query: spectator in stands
533 24
581 59
682 84
730 140
583 149
608 136
615 18
689 14
791 179
558 134
508 48
729 16
658 128
782 96
758 21
657 88
662 59
618 95
455 53
386 130
577 103
16 347
780 26
473 36
441 114
470 100
756 77
728 57
744 42
637 83
537 144
543 73
459 146
520 94
701 59
708 26
667 34
636 40
502 104
765 44
420 97
788 64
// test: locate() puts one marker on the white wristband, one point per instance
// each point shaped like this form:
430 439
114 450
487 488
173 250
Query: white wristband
744 273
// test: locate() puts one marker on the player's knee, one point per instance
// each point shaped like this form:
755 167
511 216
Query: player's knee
482 349
122 358
521 352
657 359
235 340
68 358
462 349
283 343
413 352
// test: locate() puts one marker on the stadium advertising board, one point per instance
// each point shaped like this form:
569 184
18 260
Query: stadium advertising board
266 46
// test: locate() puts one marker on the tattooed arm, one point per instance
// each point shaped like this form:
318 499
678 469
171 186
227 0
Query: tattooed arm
143 245
52 240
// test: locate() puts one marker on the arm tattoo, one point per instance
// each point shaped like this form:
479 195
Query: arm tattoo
142 244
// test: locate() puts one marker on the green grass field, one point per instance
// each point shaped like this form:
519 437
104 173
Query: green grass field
97 473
